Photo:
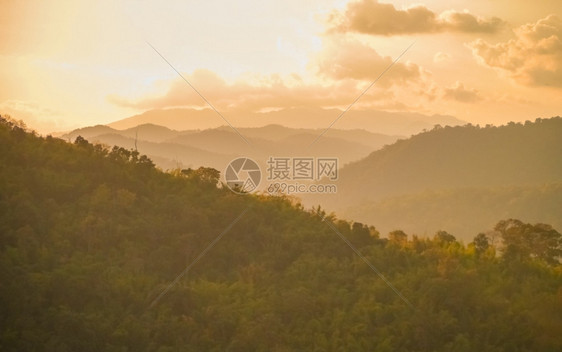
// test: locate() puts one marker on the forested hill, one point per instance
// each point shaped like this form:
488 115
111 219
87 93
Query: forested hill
90 238
461 179
462 156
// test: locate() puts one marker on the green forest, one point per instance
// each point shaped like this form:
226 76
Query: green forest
95 244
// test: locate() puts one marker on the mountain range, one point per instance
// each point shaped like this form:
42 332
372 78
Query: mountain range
462 178
376 121
218 146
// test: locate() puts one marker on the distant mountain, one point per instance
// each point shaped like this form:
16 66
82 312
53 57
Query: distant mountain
175 119
216 147
425 179
86 132
220 141
168 155
277 132
216 140
376 121
146 132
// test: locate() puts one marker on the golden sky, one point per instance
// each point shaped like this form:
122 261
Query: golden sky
65 64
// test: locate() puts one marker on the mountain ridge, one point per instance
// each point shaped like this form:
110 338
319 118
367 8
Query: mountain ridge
376 121
224 143
449 159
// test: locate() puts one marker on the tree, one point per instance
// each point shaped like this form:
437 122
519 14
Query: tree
444 237
81 141
398 236
526 242
206 175
481 243
362 235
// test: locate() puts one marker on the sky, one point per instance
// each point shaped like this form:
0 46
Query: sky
68 64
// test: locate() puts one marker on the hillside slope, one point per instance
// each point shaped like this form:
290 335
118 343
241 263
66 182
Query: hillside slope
464 156
457 178
94 246
462 211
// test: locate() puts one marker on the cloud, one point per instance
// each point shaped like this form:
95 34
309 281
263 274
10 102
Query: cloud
467 23
459 93
372 17
266 92
353 60
533 58
341 70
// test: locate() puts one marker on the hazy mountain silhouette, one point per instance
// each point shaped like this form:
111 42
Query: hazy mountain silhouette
167 155
277 132
147 132
450 177
216 147
390 123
